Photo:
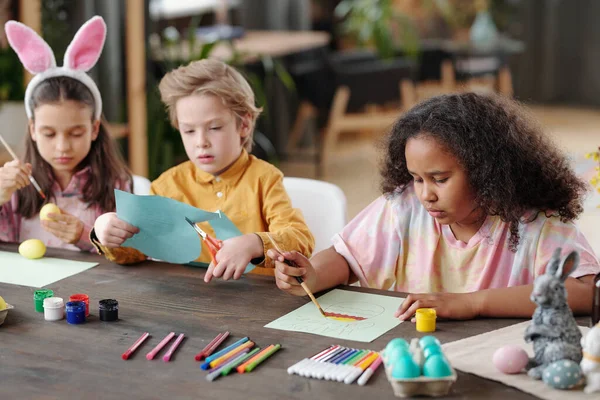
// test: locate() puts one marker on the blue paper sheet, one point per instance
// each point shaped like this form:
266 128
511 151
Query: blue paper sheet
164 233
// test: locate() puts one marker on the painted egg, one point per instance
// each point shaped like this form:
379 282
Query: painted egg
2 304
49 208
436 366
429 340
431 350
510 359
395 348
563 374
404 367
32 249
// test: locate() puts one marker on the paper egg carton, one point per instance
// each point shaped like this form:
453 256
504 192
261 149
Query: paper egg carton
4 312
420 386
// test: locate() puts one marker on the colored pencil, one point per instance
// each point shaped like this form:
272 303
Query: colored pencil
159 346
134 347
167 357
210 347
268 354
369 371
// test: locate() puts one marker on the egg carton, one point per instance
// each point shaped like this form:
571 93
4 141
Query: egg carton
4 312
421 386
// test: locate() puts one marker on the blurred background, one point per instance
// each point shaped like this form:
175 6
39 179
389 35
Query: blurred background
331 75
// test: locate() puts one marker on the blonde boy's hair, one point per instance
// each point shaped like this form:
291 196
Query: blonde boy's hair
211 77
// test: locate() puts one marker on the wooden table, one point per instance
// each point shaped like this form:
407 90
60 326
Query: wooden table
252 45
48 360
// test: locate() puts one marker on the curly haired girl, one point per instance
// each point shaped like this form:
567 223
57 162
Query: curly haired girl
475 200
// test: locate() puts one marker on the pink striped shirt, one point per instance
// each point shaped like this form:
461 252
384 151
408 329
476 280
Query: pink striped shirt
395 244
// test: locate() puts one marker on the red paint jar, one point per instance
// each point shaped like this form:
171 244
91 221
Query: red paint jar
84 298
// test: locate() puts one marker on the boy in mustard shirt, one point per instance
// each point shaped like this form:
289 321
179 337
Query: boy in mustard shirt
213 107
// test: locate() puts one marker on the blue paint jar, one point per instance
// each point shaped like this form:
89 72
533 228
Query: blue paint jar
75 311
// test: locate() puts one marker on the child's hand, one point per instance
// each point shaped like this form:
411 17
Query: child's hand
13 176
285 275
64 226
447 305
111 231
234 257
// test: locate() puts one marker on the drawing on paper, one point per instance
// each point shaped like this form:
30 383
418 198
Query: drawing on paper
351 315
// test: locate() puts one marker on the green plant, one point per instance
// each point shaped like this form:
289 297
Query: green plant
379 24
11 76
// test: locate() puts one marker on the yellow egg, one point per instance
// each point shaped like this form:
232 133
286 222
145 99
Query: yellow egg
2 304
32 248
47 209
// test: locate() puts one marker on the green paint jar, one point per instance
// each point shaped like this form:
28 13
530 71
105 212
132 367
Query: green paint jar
38 298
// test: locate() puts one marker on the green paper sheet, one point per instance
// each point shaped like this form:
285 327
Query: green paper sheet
164 233
377 309
18 270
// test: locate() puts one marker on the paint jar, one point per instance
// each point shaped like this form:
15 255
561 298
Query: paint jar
596 301
54 308
108 310
425 319
39 296
75 312
84 298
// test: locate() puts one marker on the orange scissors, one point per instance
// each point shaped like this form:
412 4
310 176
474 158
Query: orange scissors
213 245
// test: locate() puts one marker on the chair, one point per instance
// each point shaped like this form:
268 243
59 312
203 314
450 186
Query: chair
141 185
323 205
351 89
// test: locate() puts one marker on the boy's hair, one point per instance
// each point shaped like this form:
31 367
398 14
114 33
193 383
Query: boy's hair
511 165
107 166
211 77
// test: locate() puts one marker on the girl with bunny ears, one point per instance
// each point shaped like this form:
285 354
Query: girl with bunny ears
475 200
68 149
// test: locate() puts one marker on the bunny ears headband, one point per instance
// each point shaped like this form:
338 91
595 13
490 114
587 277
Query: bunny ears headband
37 57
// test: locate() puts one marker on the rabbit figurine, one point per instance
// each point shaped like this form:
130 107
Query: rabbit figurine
553 330
590 365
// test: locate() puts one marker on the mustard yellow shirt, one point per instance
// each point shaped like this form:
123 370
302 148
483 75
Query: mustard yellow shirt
250 193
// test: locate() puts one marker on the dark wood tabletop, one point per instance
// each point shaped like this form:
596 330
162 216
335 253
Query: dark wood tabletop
56 360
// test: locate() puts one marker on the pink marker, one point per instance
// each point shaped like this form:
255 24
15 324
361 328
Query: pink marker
367 374
134 347
159 346
167 357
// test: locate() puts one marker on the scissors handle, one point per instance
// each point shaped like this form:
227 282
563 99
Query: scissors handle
213 246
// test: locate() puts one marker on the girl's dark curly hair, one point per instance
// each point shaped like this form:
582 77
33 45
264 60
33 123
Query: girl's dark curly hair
511 165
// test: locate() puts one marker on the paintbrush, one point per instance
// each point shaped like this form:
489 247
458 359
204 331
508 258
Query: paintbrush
31 178
299 279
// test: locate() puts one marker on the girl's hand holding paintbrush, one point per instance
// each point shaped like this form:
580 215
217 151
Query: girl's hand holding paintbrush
13 176
289 266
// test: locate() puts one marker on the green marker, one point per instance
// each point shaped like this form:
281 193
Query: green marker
268 354
225 371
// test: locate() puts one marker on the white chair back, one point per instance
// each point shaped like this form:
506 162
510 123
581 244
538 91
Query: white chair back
141 185
323 205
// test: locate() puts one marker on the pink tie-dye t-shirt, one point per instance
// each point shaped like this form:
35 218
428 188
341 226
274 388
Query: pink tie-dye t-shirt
395 244
16 229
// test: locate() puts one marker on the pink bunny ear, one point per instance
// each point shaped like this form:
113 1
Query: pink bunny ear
33 51
86 47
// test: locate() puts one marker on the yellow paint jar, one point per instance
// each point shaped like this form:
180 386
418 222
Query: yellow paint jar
425 319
